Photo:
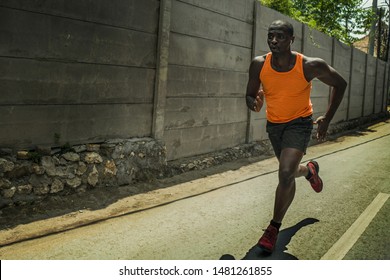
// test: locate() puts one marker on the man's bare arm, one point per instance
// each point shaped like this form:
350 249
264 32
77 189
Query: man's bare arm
254 97
328 75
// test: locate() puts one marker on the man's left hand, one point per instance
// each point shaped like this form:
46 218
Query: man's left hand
322 128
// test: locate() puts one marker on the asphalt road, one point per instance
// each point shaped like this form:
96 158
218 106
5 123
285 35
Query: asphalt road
226 212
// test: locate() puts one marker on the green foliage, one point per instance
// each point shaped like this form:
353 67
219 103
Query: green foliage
66 148
338 18
34 156
282 6
57 138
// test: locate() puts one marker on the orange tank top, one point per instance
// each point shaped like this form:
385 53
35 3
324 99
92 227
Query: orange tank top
287 94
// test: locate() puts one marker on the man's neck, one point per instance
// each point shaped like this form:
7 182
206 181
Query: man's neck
283 62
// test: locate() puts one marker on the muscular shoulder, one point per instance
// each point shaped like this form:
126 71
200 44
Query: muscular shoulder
258 61
312 62
256 65
313 67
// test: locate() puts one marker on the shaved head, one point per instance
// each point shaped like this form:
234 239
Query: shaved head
281 24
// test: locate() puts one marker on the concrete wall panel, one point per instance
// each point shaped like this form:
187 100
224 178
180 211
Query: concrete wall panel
242 10
73 41
317 44
370 86
342 63
357 84
185 81
198 22
258 125
26 126
319 97
259 129
193 112
379 90
197 52
82 69
26 81
386 95
204 139
210 52
130 14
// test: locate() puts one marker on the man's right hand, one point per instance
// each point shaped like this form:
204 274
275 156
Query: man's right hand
255 104
258 102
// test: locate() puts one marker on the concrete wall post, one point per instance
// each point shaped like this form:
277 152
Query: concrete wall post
160 91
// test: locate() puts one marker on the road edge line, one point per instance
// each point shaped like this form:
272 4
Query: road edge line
349 238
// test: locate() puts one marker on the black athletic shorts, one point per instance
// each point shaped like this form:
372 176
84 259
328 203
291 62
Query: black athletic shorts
293 134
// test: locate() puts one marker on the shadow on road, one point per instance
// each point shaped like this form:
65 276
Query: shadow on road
284 238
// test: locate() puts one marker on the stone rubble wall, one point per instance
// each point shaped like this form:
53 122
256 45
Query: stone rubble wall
26 176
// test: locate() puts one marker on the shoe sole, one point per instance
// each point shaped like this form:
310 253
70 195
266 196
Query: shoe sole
317 168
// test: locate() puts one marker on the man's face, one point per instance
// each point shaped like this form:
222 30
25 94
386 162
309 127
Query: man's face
278 39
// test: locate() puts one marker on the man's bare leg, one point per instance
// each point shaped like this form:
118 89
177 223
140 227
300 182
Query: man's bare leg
289 168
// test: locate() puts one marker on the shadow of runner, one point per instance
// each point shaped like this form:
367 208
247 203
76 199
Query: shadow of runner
284 238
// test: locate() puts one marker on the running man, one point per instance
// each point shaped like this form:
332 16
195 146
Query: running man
283 78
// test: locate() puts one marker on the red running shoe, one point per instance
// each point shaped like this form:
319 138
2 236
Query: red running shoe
268 240
315 180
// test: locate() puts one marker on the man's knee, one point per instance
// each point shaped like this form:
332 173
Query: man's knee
286 176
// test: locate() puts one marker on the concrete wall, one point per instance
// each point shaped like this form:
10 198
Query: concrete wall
81 70
379 89
386 91
317 44
209 53
341 61
370 86
357 84
175 70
